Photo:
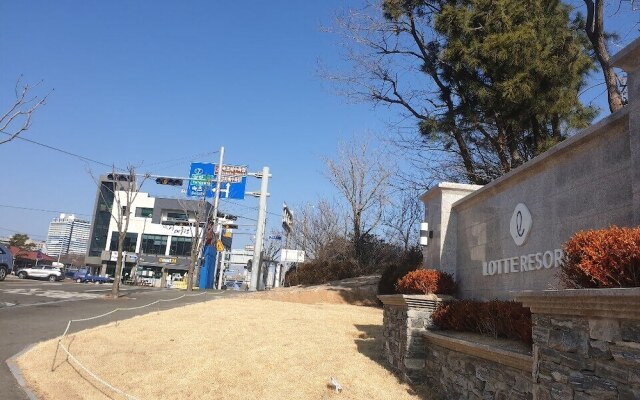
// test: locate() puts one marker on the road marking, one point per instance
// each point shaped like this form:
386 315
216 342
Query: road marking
54 294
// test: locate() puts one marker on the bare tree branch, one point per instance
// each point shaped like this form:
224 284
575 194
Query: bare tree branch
17 119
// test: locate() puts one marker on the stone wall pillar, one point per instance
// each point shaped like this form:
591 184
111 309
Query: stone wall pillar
586 343
406 318
441 251
628 59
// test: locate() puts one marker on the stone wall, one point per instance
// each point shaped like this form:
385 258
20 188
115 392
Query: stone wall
589 181
586 343
405 318
465 370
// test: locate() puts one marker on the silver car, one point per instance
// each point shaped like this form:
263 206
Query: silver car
6 262
48 272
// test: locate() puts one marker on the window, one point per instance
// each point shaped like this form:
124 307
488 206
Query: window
144 212
153 244
180 246
177 215
129 244
101 219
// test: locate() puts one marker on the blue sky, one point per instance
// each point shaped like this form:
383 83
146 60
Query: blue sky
158 85
136 84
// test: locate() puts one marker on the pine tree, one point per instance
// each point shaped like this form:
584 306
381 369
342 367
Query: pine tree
490 83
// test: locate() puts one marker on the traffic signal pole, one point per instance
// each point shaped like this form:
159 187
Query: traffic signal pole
262 217
216 225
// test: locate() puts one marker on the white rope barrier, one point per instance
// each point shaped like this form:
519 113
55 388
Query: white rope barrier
84 368
96 377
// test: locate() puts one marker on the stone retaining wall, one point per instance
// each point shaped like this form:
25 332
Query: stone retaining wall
586 346
586 343
457 369
405 318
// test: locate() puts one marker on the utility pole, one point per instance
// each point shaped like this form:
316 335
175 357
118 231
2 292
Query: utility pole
216 225
262 217
216 198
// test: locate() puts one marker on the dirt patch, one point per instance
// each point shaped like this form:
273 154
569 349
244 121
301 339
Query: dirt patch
229 349
361 291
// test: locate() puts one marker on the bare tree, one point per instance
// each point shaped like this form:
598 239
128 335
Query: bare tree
362 176
594 28
272 246
402 219
199 213
125 189
316 226
17 118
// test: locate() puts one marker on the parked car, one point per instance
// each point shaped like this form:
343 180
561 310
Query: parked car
6 262
48 272
82 275
69 273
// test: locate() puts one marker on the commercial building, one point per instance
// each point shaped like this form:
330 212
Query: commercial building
67 235
160 234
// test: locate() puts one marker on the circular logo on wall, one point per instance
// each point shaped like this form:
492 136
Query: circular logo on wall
520 224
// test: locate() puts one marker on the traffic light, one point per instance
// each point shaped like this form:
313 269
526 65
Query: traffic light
169 181
227 216
118 177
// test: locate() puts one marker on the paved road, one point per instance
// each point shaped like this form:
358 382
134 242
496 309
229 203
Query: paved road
32 311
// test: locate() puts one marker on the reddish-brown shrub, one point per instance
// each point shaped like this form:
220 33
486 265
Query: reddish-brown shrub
319 272
410 260
602 258
425 281
500 319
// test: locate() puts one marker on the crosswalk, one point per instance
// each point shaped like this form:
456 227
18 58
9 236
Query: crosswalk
52 294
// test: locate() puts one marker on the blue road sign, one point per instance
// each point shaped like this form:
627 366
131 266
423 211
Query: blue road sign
233 190
202 181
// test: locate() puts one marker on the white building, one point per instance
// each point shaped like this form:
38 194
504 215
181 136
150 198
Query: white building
159 235
67 235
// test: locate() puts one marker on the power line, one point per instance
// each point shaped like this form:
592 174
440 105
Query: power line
42 210
62 151
253 208
250 219
84 158
27 233
179 160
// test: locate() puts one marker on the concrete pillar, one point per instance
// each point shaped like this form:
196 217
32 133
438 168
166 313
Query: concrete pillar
628 59
440 252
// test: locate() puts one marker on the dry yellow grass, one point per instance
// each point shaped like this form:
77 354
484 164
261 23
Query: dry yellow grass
242 348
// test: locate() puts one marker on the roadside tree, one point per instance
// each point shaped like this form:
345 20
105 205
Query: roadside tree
124 191
22 242
316 226
199 213
362 176
598 37
486 84
402 219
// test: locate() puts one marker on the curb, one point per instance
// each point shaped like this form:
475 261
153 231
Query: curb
17 373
